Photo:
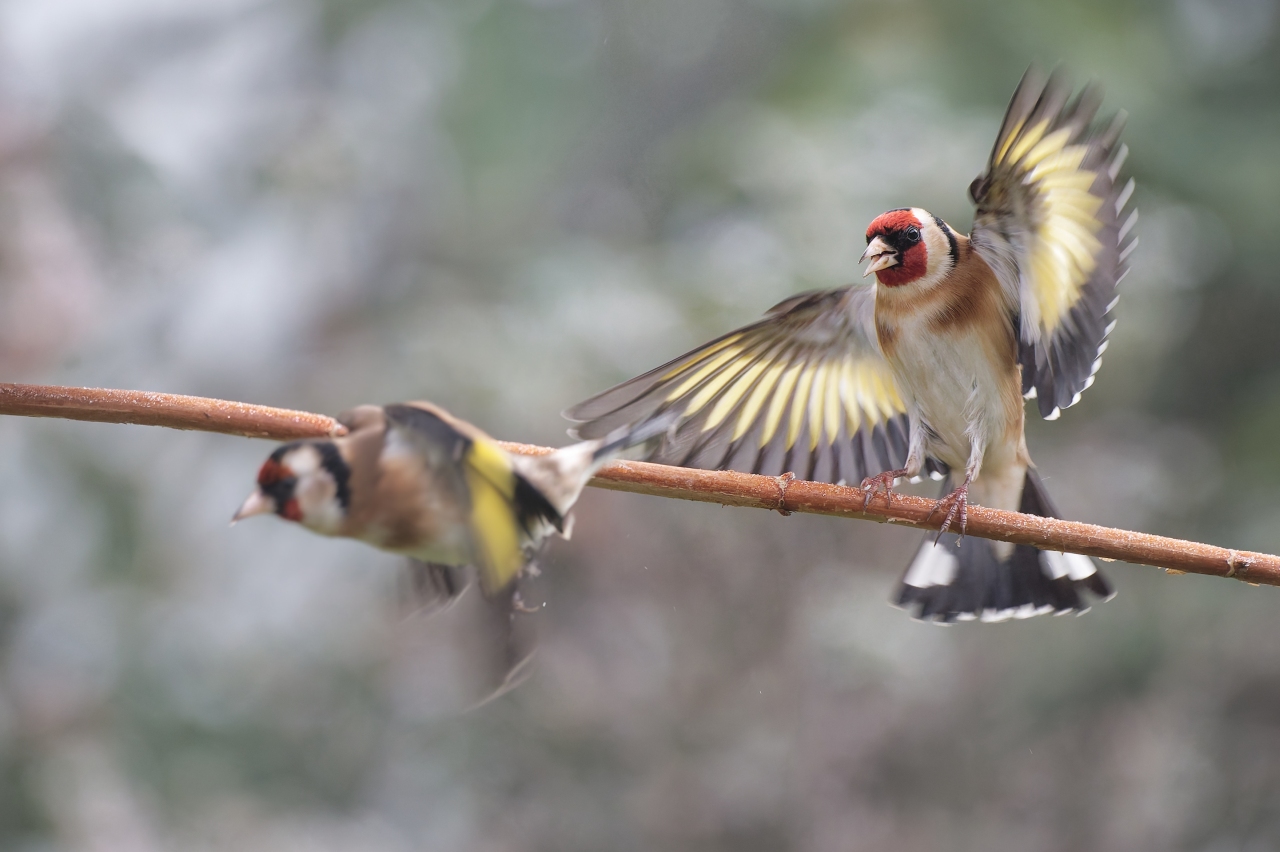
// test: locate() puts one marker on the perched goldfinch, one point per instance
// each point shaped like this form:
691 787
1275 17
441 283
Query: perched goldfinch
414 480
927 370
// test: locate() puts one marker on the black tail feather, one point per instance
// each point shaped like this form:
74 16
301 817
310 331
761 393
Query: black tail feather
965 578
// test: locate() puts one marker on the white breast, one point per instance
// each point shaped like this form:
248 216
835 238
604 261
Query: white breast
951 382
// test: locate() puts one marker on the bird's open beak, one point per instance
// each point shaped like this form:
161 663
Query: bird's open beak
257 504
881 254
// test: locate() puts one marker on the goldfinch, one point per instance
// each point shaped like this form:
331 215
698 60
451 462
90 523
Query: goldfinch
926 371
414 480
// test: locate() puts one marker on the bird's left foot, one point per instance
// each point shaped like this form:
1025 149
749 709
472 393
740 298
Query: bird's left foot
957 505
518 604
882 482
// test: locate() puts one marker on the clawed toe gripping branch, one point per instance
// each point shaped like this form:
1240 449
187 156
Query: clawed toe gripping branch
881 482
784 494
956 503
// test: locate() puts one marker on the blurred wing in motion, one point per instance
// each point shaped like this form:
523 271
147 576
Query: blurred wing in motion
1050 223
485 642
428 587
805 390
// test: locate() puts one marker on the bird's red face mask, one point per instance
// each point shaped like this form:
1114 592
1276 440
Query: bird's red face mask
275 493
896 248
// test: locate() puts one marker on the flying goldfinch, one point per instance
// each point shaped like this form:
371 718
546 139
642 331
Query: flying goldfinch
926 371
414 480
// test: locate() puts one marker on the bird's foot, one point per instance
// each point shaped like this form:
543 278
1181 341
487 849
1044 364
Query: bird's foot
957 505
880 482
518 604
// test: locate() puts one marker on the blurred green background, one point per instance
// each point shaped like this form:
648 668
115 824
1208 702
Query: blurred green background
504 206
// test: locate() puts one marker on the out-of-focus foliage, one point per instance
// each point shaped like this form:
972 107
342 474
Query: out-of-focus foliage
503 206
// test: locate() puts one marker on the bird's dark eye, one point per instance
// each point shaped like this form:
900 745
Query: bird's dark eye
912 234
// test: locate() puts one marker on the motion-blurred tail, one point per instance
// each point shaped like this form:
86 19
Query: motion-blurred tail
961 579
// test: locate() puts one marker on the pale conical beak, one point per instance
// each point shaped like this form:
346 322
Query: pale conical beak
257 504
882 256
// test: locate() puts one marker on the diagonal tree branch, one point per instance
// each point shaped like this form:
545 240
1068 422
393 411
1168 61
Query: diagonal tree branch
728 488
165 409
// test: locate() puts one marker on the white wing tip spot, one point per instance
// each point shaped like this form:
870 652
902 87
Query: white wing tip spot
1127 226
1054 415
1123 198
1117 162
1128 250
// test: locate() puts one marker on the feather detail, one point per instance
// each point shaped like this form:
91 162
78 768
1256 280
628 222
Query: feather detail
1051 223
806 389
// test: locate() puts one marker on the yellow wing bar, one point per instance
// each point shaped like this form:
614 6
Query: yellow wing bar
1050 202
805 389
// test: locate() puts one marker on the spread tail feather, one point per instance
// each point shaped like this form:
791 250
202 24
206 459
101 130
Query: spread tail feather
962 579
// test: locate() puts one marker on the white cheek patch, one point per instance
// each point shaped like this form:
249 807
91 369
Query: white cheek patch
936 243
316 492
317 497
303 461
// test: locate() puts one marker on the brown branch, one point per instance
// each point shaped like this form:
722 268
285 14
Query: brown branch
165 409
727 488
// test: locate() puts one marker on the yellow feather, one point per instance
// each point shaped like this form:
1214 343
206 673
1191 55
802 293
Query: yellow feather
714 386
1027 141
757 398
886 395
777 405
817 398
1009 140
1066 187
1080 208
832 409
494 527
798 405
702 357
1049 284
1063 164
1051 144
730 397
849 394
1067 160
708 367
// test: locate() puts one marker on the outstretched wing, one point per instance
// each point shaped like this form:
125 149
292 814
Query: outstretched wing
1051 223
805 390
